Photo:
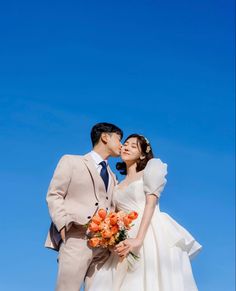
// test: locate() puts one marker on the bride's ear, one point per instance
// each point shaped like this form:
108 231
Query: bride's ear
142 157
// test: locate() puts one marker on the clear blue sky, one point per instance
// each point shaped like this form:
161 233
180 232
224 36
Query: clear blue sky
160 68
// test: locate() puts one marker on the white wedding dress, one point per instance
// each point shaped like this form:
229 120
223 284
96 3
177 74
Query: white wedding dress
164 259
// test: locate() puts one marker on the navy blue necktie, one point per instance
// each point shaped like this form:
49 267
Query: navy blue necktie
104 173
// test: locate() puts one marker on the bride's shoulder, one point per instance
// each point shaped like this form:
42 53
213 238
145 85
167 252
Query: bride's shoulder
156 163
154 177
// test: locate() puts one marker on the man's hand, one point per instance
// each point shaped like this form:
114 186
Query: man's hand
63 234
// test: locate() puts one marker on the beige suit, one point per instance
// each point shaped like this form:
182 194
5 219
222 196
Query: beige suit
75 193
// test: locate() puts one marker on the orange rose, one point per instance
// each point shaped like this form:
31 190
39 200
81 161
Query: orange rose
94 242
101 225
93 227
97 219
127 221
106 234
102 213
113 219
133 215
114 229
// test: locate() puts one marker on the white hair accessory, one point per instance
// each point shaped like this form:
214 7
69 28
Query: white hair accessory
148 144
148 149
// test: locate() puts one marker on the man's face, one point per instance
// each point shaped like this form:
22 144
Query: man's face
114 144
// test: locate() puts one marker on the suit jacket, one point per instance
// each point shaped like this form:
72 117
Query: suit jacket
75 193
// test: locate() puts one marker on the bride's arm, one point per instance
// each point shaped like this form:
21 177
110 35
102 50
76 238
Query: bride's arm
154 182
134 244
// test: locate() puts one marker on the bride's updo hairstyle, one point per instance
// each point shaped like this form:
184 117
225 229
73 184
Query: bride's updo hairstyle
146 151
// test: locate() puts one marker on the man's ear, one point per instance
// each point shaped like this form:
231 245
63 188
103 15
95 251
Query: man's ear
104 137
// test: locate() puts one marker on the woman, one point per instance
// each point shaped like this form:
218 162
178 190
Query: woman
164 247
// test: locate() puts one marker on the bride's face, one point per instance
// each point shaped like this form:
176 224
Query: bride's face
131 150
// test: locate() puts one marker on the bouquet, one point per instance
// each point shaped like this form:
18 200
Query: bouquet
108 229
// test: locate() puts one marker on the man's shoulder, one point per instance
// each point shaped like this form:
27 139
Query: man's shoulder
71 158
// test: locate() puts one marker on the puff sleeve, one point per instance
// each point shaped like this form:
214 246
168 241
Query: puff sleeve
154 177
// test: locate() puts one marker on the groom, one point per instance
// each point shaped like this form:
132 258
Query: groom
79 187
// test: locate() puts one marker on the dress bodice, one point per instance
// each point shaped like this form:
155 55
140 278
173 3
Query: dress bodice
131 197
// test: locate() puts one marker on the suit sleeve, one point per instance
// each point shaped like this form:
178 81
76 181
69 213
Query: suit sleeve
57 192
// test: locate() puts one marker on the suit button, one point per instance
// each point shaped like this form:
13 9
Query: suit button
107 198
96 204
107 208
89 217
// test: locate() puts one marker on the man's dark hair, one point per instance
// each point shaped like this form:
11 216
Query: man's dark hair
102 127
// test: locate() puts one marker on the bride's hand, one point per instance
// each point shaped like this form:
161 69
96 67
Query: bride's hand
130 245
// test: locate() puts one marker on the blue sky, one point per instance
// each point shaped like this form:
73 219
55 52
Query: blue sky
160 68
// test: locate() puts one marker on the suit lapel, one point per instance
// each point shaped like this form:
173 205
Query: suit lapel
97 180
112 177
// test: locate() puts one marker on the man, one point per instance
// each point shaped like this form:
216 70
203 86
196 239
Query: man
79 187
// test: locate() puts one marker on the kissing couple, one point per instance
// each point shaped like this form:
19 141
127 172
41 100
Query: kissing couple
83 185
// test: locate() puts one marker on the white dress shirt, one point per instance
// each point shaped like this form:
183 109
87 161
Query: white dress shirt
98 159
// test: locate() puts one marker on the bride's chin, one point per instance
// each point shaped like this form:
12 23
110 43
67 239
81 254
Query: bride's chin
124 159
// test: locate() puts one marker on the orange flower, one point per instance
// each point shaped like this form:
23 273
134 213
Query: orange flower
133 215
94 242
102 213
105 228
113 218
96 219
106 234
127 221
93 227
101 225
114 229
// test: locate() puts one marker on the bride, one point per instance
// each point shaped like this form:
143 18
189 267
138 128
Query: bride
164 248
